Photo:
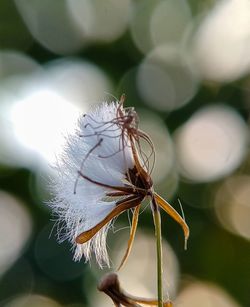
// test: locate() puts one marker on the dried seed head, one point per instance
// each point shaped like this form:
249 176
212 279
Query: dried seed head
102 173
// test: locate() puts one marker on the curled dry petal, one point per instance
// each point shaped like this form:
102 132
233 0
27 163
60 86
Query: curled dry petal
110 285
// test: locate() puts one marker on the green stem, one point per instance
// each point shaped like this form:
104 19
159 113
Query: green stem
157 222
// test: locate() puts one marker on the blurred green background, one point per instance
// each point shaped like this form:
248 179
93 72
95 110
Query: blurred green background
185 66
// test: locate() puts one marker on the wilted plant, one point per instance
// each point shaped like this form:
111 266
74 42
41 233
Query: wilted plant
102 173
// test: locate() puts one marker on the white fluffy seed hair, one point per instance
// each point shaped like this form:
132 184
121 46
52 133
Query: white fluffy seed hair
79 207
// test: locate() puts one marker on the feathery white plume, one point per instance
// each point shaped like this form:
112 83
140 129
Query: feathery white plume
97 151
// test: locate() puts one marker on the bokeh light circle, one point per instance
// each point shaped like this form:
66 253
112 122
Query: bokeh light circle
232 205
140 24
101 20
15 229
221 45
56 260
165 79
206 295
154 126
14 64
138 276
211 144
80 82
32 300
51 24
169 21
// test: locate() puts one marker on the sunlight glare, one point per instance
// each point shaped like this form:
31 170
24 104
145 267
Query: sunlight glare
41 120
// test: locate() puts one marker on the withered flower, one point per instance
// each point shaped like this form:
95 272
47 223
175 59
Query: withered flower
110 285
102 173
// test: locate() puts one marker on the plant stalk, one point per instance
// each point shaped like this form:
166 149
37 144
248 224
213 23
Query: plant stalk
157 222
